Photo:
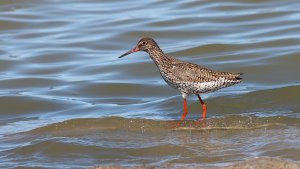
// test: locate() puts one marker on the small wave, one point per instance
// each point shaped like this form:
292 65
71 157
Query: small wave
86 126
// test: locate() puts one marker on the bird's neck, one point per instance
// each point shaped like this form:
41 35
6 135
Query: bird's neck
158 56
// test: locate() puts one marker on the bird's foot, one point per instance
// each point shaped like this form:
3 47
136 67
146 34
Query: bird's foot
175 124
201 122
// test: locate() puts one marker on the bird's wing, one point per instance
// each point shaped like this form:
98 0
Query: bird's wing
190 72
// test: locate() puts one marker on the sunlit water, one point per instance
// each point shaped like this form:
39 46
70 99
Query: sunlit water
67 101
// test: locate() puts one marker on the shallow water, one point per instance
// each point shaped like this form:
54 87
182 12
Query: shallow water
67 101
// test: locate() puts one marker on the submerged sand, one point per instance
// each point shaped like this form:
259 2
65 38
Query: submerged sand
255 163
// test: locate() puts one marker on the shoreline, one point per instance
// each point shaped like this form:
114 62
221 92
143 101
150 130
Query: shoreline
253 163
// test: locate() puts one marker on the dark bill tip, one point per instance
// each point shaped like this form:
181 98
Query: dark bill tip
127 53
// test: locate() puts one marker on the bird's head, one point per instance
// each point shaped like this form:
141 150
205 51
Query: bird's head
145 44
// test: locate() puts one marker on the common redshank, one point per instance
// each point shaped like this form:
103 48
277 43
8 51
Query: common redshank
188 78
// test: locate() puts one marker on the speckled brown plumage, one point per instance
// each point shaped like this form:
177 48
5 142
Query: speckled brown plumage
188 78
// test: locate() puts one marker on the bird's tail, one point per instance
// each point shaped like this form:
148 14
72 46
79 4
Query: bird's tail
232 76
237 77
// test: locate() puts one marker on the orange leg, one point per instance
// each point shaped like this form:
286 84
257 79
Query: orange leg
203 107
185 110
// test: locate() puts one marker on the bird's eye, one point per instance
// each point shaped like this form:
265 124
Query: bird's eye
144 43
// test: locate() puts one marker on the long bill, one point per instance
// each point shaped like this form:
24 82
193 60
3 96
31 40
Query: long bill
131 51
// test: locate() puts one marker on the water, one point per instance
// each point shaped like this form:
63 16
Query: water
67 101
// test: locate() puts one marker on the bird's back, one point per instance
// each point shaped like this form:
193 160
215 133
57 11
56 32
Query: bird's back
191 78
